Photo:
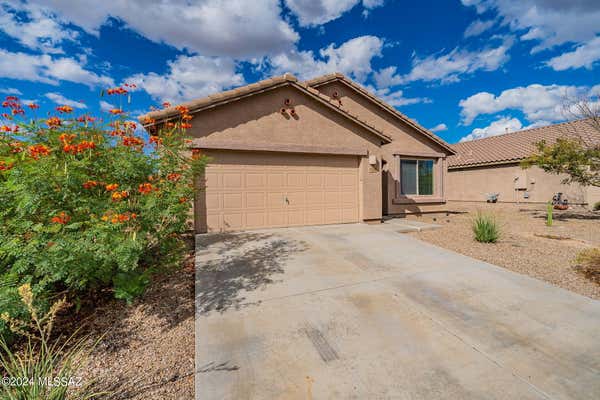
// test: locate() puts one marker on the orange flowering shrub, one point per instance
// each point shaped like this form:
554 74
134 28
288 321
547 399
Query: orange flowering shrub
84 209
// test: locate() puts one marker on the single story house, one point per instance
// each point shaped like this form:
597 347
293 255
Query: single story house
492 166
288 153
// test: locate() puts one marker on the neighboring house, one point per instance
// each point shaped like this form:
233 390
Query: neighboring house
492 165
290 153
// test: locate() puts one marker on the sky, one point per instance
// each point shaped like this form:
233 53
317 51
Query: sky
464 69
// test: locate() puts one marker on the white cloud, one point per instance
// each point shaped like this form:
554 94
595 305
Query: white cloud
233 28
12 91
547 22
439 128
352 58
63 101
478 26
106 106
318 12
537 102
46 69
190 77
39 32
583 56
498 127
448 67
396 97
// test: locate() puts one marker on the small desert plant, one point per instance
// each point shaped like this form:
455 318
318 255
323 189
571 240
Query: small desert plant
588 262
485 228
549 214
43 369
597 206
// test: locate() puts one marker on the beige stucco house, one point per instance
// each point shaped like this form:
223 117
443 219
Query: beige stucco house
492 165
290 153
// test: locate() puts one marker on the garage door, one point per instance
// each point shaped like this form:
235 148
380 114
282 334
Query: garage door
249 190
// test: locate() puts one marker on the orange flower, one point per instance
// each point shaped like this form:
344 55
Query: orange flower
38 150
86 118
186 117
174 177
115 111
62 218
5 128
166 104
183 200
53 122
112 186
66 138
148 120
33 106
85 145
64 109
16 147
130 125
196 153
90 184
182 109
116 196
4 166
118 218
117 90
145 188
186 125
132 141
155 140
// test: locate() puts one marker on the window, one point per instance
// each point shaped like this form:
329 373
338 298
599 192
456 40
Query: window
416 177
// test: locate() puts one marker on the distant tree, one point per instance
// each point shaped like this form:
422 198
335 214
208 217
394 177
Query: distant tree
575 156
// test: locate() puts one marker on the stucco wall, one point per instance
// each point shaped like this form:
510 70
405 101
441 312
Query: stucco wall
406 141
256 122
473 184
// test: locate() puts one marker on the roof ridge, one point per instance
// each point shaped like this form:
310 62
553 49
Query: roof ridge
522 130
338 75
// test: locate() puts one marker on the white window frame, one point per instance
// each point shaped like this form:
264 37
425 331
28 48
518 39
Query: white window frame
433 179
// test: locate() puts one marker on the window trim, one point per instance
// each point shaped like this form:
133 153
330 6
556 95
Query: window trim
435 197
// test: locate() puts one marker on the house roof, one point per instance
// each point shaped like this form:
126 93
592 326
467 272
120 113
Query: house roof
322 80
515 146
229 96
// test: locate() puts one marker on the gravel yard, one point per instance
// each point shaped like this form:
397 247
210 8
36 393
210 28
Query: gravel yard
148 348
527 245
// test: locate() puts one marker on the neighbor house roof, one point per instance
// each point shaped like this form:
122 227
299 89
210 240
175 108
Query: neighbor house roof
229 96
322 80
515 146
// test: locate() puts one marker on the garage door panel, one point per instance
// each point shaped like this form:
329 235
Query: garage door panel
276 180
232 181
256 180
246 190
233 201
256 219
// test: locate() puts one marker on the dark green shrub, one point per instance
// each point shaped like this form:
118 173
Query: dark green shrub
597 206
485 228
88 206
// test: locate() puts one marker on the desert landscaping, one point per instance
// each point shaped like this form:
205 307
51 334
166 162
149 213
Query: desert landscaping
526 245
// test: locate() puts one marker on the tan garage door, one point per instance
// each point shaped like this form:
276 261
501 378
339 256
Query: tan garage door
249 190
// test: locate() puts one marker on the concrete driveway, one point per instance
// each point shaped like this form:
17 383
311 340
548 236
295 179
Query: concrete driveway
364 312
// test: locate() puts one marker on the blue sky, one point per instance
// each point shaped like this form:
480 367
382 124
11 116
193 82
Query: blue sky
466 69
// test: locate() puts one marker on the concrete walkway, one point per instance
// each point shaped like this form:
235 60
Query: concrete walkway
364 312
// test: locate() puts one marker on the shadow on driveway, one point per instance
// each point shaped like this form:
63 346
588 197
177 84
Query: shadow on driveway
238 263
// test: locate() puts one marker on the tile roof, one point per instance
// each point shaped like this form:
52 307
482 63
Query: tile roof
321 80
228 96
516 146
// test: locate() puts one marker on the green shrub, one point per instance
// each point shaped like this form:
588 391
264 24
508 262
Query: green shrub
549 214
89 205
597 206
43 369
485 228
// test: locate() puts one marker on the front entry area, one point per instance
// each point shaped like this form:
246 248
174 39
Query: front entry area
248 190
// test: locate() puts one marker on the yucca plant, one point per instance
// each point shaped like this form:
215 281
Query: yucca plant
43 369
485 228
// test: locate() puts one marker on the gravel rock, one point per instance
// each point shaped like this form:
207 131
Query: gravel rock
527 245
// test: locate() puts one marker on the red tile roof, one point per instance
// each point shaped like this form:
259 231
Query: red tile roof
516 146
